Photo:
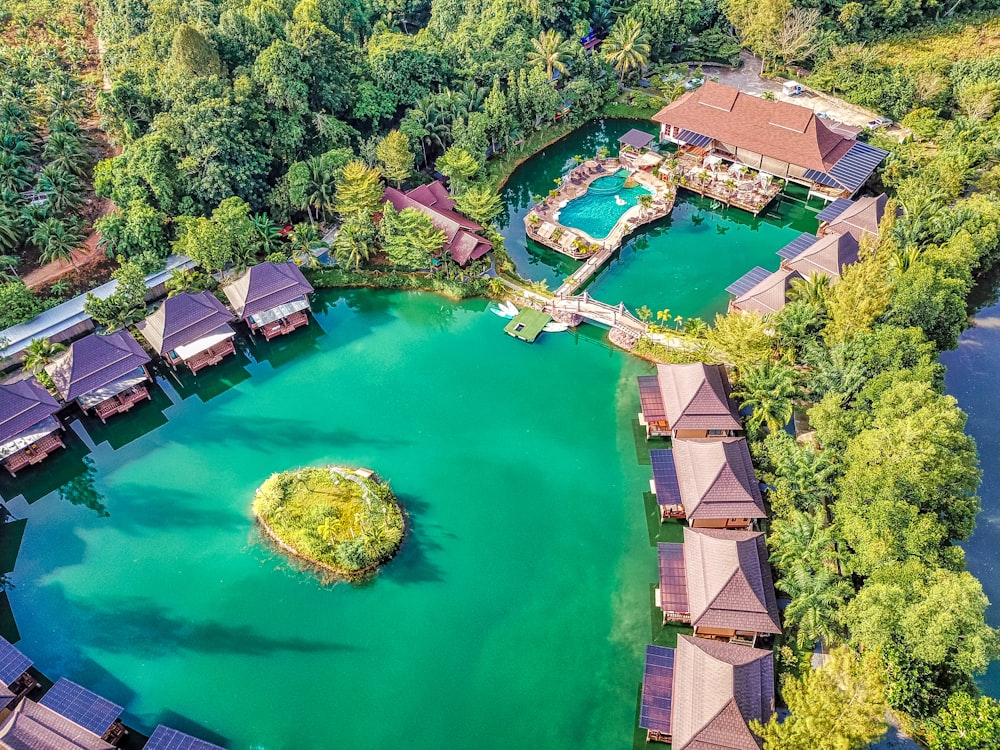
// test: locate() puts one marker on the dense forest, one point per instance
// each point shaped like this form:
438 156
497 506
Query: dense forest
245 130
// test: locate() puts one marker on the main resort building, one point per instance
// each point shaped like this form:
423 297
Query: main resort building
784 140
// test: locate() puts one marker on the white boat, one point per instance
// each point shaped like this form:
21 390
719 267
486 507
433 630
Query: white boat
509 309
555 327
499 312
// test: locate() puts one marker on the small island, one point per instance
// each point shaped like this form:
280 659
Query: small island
343 522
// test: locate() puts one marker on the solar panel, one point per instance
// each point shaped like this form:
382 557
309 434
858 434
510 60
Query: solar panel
657 689
165 738
13 663
857 165
748 281
693 139
835 209
79 705
668 491
798 246
814 175
673 578
650 399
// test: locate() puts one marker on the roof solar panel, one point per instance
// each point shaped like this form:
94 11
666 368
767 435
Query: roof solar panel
673 578
693 139
79 705
165 738
814 175
748 281
798 246
857 165
12 662
650 399
668 490
657 689
835 209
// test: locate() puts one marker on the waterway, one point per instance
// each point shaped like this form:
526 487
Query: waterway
683 262
515 615
971 378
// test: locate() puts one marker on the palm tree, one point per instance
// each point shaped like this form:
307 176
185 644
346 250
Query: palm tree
11 228
320 187
627 47
14 173
817 596
66 152
803 539
61 187
268 234
40 352
768 389
812 290
550 50
55 240
645 201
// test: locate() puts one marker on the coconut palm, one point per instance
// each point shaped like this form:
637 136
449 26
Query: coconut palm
802 539
66 152
645 201
551 50
61 187
817 596
55 240
768 389
320 188
14 173
40 352
812 290
627 47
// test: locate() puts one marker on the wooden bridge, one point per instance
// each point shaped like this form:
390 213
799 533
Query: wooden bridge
595 311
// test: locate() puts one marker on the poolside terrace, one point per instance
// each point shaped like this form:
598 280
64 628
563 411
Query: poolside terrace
731 183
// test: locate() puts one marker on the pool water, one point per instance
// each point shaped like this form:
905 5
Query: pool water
515 615
598 210
682 262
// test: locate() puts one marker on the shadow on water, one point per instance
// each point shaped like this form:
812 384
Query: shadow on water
284 350
187 511
58 469
414 563
122 429
82 490
8 625
270 431
212 381
11 534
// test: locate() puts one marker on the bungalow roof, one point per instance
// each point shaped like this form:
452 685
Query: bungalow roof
95 361
829 255
696 396
716 479
767 296
32 726
862 218
728 580
636 138
183 319
22 405
266 286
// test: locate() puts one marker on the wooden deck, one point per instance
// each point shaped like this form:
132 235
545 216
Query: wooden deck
211 356
34 453
283 326
122 402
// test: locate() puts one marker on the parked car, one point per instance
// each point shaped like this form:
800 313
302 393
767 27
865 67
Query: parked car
694 83
823 115
881 122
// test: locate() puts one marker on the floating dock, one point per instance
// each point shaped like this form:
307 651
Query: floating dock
527 324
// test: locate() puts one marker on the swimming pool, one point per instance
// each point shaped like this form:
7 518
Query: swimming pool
599 209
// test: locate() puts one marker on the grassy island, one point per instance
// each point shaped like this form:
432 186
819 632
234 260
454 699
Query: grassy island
343 521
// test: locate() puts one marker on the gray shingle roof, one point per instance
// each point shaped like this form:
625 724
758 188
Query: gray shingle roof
718 688
728 579
696 397
34 727
94 361
768 296
862 218
264 287
717 480
184 319
829 255
23 405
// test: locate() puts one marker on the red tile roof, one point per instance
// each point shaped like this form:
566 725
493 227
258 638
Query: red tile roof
716 479
22 405
718 689
266 286
94 361
461 241
829 255
696 397
767 296
728 581
779 130
184 319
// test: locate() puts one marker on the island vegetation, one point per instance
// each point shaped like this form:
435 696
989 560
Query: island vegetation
340 521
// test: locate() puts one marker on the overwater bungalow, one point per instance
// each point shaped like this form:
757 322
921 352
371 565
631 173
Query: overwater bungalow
705 693
165 738
272 298
32 726
766 295
461 241
95 714
781 139
103 374
688 401
828 256
15 680
860 218
29 427
192 330
720 583
711 483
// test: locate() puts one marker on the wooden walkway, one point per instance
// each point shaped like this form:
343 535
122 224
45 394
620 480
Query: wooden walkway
615 317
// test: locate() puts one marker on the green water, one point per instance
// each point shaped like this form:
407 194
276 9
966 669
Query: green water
515 615
597 211
683 262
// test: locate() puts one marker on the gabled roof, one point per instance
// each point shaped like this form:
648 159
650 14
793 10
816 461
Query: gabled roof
718 689
22 405
728 581
767 296
862 218
828 255
265 286
696 397
34 727
461 241
779 130
716 479
636 138
183 319
94 361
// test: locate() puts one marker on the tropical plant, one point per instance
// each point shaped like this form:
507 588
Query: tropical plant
55 240
812 290
39 353
768 389
550 50
626 48
480 203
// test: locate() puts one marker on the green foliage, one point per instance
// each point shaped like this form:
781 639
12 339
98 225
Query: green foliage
359 190
768 389
18 304
219 242
408 237
965 723
458 165
137 228
127 304
395 157
627 47
480 203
